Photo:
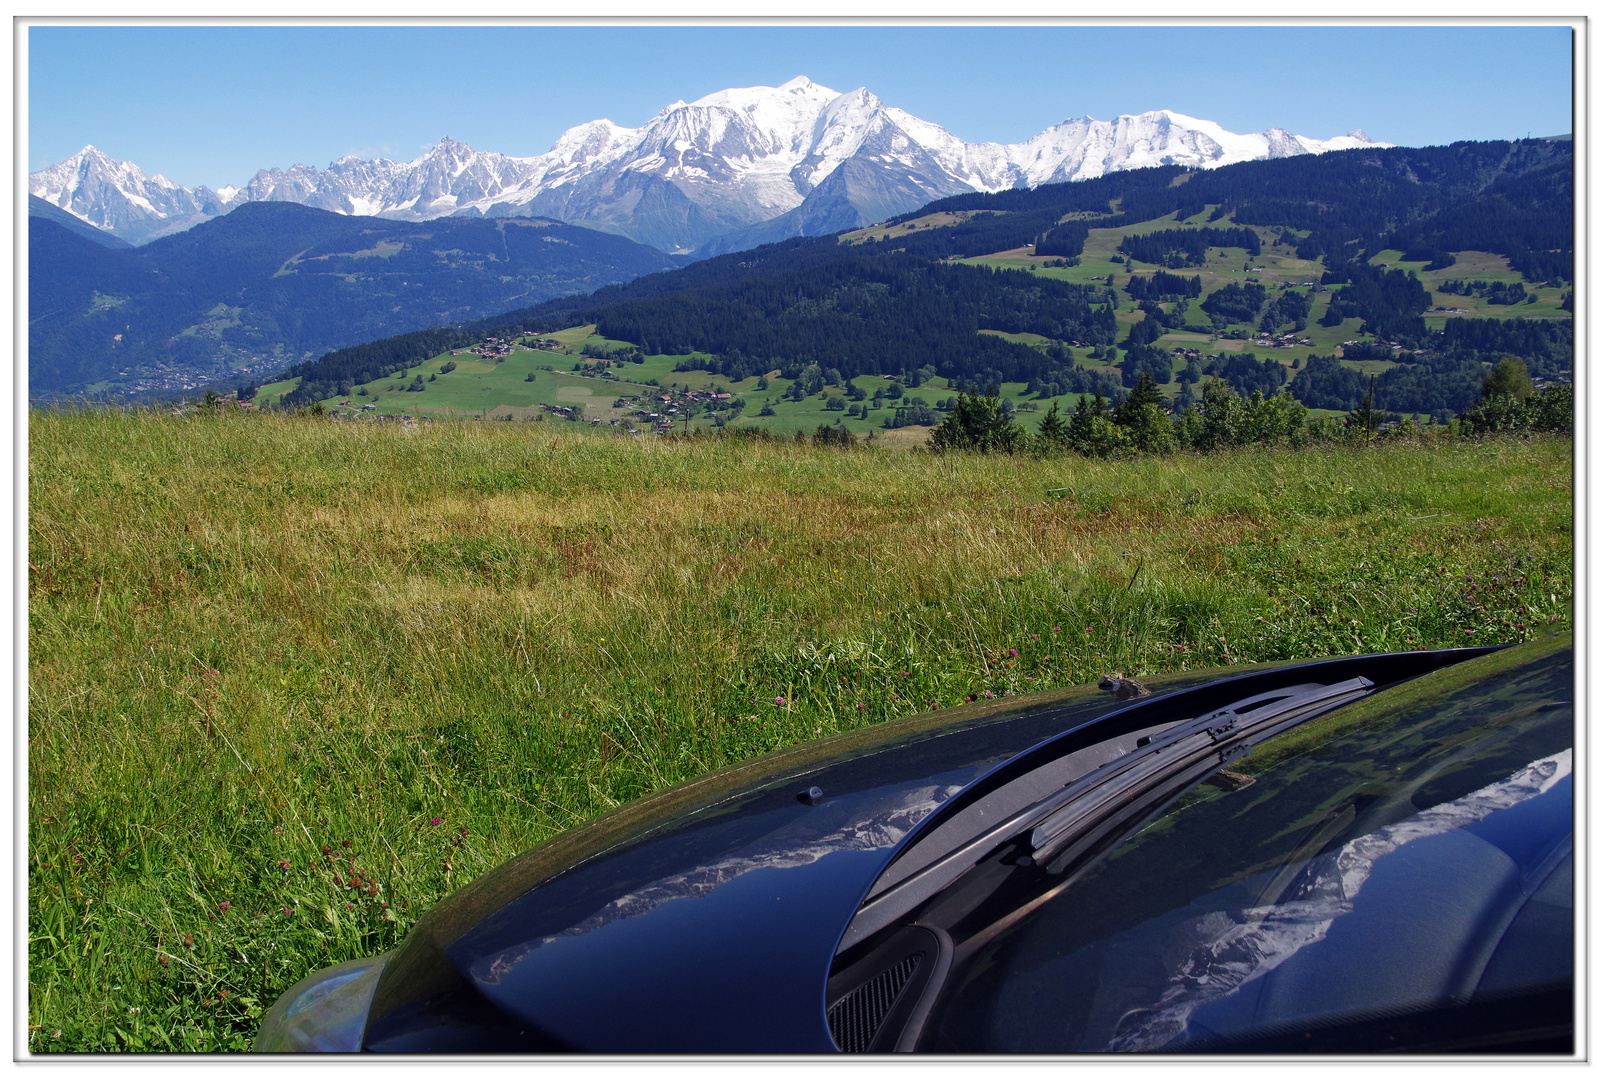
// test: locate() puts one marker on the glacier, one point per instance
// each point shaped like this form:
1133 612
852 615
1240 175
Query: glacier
734 166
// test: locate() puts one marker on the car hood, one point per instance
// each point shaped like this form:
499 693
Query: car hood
706 917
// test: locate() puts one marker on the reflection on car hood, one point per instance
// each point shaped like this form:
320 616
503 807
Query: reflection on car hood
709 914
879 825
1232 947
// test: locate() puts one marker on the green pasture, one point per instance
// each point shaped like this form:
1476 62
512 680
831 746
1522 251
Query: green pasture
291 681
1478 266
478 386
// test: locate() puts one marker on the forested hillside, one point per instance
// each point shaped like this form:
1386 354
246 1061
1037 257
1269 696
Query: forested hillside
1514 199
976 289
272 283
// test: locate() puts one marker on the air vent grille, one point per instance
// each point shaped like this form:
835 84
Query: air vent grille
855 1019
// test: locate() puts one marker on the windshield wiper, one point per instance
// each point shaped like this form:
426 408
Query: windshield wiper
1063 824
1213 739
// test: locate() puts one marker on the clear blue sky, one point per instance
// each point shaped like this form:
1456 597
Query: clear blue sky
211 105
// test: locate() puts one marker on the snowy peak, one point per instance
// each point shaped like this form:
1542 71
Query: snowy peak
119 197
728 162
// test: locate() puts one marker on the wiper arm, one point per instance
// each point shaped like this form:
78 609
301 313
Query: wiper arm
1126 779
1172 759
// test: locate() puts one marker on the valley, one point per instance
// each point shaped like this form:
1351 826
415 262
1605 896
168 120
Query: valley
244 296
561 382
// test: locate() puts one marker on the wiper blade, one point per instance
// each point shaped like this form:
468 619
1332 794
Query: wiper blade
1171 759
1124 780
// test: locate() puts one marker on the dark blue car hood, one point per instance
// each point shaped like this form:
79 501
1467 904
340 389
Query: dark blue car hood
705 918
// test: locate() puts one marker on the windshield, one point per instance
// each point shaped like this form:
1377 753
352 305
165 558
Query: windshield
1406 852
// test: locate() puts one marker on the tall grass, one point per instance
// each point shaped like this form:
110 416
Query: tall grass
291 681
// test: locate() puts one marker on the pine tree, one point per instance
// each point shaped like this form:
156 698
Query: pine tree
1145 393
1052 428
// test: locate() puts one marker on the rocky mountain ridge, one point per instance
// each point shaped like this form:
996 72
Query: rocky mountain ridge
736 167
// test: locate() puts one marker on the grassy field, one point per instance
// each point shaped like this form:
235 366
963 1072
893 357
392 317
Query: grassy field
291 680
1223 266
1479 266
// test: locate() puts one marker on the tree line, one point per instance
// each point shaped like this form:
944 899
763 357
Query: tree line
1222 418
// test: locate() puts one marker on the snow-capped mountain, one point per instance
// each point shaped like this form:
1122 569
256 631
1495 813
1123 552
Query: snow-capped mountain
796 159
118 197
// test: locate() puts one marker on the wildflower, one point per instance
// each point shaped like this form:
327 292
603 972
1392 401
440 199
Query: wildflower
987 693
1467 631
285 911
1014 653
284 864
1088 629
780 700
435 821
1056 629
860 706
903 673
226 905
1034 637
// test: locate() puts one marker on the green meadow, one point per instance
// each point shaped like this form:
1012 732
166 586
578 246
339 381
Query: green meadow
292 680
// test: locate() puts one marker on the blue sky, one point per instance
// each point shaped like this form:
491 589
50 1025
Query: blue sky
211 105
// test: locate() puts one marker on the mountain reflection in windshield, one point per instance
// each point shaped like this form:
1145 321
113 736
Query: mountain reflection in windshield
1229 948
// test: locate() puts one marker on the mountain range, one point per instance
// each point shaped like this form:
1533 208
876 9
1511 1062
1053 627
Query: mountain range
731 170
